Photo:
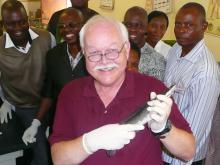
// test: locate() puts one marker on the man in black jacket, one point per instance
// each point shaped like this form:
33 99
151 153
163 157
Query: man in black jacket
64 62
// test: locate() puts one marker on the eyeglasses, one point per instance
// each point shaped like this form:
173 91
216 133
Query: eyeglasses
110 54
72 25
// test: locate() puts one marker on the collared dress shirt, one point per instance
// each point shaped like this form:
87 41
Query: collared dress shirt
197 78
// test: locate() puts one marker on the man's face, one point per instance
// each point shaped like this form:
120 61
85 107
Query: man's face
16 25
156 29
79 3
136 25
103 39
69 26
189 27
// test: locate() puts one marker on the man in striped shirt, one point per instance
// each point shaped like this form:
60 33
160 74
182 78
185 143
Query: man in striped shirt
192 68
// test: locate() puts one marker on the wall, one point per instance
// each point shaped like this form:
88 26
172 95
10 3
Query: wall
30 6
121 6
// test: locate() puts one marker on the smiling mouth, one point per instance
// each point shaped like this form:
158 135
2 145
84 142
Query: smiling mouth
18 34
132 36
69 35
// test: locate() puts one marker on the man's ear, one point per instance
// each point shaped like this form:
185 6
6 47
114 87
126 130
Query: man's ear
204 25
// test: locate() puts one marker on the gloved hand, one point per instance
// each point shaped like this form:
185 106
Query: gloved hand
5 111
160 108
109 137
30 132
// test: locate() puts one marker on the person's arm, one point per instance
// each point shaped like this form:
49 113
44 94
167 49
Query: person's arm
177 141
180 143
45 104
62 152
107 137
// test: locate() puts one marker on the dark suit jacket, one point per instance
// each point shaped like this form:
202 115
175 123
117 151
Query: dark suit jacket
59 71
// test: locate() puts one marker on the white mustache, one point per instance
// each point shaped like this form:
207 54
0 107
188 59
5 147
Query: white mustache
106 67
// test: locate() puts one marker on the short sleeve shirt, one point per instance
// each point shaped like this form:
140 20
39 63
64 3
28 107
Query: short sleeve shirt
80 110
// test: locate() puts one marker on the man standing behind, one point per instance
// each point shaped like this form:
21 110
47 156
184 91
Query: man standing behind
158 23
192 68
22 66
151 63
88 108
81 5
64 62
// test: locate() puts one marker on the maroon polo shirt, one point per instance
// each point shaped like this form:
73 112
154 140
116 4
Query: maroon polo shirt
80 110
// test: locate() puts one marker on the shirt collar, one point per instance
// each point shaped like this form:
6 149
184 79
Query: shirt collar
78 56
193 55
147 48
127 89
9 43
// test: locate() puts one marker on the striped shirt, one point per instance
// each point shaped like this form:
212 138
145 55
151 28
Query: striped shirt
151 62
198 85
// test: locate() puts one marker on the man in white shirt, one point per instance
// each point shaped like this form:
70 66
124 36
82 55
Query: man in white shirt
157 27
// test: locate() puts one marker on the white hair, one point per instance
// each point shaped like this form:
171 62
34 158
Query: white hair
108 20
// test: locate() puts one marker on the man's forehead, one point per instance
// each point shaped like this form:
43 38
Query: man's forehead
189 11
18 11
135 18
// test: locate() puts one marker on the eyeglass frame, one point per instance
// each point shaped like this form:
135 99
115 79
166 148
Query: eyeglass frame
104 54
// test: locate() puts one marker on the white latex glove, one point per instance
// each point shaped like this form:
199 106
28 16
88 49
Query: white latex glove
109 137
5 111
160 108
30 132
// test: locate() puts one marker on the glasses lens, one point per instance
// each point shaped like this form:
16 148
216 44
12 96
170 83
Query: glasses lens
95 58
112 54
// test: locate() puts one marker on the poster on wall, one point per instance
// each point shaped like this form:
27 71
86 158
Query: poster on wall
54 5
213 17
161 5
107 4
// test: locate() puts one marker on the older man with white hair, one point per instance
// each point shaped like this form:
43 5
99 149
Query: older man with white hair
89 109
